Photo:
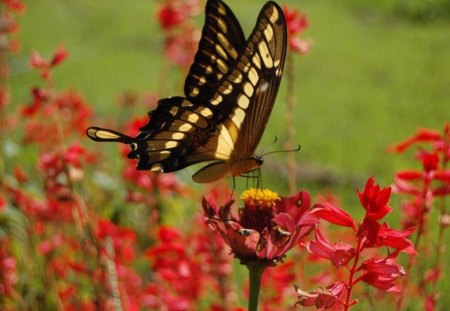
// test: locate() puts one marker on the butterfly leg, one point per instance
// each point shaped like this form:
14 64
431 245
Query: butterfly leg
234 187
254 175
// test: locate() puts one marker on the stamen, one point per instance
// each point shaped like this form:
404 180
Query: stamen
259 197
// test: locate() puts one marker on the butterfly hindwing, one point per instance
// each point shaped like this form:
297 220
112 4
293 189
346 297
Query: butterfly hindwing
179 134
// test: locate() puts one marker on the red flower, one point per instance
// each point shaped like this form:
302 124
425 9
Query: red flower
123 239
381 235
14 5
60 55
267 227
8 270
296 23
381 273
333 214
45 66
2 203
170 16
422 135
374 200
183 265
321 299
339 253
174 12
180 48
430 303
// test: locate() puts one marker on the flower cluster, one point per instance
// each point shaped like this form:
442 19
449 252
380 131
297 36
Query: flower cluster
297 23
8 27
8 273
378 271
181 36
429 183
185 266
425 190
8 24
45 66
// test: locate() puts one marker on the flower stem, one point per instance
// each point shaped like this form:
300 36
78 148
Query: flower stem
290 122
352 273
255 273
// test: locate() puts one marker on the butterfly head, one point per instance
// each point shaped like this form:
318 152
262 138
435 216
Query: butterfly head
259 160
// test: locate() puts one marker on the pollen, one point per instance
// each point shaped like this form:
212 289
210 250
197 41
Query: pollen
259 197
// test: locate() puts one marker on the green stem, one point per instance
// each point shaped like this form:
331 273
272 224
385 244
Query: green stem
255 270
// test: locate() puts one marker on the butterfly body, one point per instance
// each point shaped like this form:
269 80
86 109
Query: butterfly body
229 95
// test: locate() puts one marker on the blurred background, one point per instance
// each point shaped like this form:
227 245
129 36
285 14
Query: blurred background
376 72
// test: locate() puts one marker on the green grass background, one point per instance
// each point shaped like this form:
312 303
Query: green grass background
372 78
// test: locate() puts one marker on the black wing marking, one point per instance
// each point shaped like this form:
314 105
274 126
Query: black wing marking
221 42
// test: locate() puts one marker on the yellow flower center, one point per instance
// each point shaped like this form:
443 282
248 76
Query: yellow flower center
259 197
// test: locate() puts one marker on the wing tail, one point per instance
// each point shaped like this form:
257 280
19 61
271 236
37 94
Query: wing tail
101 134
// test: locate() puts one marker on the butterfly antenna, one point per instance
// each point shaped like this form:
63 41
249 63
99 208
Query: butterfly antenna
282 151
271 144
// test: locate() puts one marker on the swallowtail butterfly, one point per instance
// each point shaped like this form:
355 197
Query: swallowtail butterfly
229 94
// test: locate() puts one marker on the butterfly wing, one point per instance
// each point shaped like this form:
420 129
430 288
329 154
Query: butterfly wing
266 53
221 42
250 88
214 122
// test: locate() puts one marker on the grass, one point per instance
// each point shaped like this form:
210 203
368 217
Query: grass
369 81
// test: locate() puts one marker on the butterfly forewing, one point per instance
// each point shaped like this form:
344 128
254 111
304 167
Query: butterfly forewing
268 46
221 42
249 89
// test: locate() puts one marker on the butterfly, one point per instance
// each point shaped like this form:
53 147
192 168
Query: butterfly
230 91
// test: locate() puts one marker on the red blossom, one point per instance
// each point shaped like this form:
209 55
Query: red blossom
37 61
296 23
339 253
2 203
333 214
170 16
381 235
47 246
433 274
174 12
180 48
8 269
422 135
183 266
60 55
123 239
267 227
375 200
381 273
321 299
14 5
430 303
44 65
